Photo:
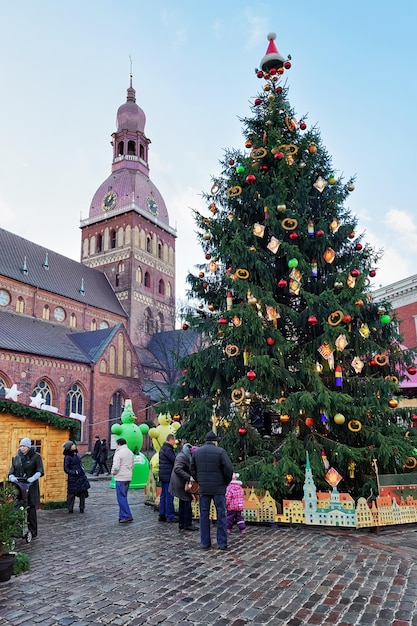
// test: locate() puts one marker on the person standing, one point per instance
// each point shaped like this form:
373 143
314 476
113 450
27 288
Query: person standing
27 466
166 465
213 470
181 475
102 458
122 469
96 452
235 503
78 484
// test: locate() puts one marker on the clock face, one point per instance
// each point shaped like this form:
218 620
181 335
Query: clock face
152 206
4 297
59 314
109 201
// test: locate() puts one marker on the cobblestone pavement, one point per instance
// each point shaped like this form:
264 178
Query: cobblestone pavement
89 570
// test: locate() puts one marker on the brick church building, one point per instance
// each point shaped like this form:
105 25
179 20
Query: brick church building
74 337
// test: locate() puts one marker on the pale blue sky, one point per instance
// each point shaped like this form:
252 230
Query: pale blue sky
64 71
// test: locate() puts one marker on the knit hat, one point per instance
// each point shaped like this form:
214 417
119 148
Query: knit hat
235 479
25 442
211 436
68 445
187 450
97 437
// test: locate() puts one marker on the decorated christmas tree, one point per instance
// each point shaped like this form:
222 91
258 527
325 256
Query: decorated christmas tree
295 357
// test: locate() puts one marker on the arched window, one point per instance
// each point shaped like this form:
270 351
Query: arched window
121 267
113 239
99 247
73 320
141 151
112 360
138 275
120 148
131 147
160 249
159 323
93 325
46 312
148 322
169 289
74 400
128 363
44 389
147 279
20 305
161 287
115 410
3 387
148 243
117 280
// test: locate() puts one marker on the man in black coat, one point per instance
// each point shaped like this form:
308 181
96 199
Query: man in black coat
213 470
96 453
166 465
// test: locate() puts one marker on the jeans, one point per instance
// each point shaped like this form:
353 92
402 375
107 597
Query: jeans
166 502
185 514
122 488
220 504
93 469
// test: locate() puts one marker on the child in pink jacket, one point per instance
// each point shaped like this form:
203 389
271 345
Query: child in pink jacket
235 504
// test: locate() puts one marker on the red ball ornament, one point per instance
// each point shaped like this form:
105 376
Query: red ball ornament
412 370
242 431
251 178
264 168
270 341
273 71
205 285
320 233
251 375
303 126
231 161
208 256
287 65
185 326
222 320
355 273
278 156
293 236
358 246
312 320
257 102
282 283
309 421
278 89
259 74
347 318
372 362
372 273
414 417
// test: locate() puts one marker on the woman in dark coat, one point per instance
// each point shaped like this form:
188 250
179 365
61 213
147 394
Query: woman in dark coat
78 484
180 475
102 458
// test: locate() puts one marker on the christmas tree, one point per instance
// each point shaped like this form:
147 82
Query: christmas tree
295 355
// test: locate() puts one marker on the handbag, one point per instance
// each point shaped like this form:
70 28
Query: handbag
191 486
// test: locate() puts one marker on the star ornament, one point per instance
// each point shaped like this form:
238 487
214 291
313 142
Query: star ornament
12 393
37 401
333 477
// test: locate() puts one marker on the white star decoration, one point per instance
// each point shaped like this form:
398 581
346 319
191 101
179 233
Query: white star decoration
37 401
12 393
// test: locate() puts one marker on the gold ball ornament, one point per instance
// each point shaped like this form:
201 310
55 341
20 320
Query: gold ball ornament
339 419
351 188
393 403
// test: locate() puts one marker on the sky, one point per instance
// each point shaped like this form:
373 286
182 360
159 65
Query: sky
64 71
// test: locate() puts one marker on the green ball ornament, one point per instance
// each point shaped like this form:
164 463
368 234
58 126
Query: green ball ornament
385 319
292 263
240 169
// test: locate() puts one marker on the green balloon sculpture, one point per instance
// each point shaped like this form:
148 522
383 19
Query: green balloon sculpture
134 439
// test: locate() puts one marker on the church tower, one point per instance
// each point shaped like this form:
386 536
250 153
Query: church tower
127 235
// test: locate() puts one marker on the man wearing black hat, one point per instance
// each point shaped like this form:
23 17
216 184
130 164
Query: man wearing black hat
213 470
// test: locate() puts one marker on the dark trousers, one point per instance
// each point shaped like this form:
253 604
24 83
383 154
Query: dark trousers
221 531
185 514
32 520
71 502
235 516
101 467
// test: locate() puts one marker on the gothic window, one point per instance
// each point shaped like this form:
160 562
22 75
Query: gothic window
2 387
115 410
45 312
74 400
161 287
99 247
73 320
117 280
121 267
159 323
20 305
93 325
147 279
148 322
141 151
138 275
103 367
112 360
149 244
44 389
169 289
120 148
128 363
113 239
131 147
120 353
160 249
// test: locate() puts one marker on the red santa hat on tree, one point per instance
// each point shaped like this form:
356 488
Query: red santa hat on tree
272 57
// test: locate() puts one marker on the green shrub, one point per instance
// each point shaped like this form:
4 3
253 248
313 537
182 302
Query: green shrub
21 563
